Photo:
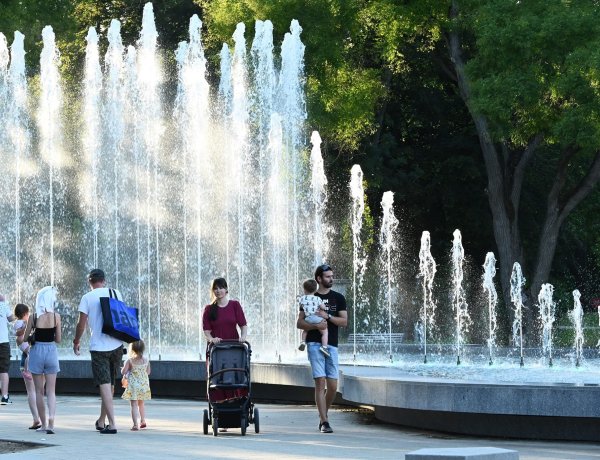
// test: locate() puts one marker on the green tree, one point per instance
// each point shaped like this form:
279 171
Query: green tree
528 73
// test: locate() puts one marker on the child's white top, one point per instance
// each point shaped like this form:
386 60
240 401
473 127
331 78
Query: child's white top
18 324
310 304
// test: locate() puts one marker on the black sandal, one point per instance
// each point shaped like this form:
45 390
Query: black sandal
98 427
35 426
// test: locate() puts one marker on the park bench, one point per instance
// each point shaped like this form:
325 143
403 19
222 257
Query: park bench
376 338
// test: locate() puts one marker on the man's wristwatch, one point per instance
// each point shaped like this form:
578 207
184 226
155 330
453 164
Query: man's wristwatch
328 316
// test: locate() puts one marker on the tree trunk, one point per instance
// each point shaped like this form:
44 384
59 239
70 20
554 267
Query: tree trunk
505 172
557 213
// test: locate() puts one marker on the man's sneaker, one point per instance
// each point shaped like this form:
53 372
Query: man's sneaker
326 428
325 351
5 400
302 346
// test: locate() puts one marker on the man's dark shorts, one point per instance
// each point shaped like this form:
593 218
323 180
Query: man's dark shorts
105 365
4 357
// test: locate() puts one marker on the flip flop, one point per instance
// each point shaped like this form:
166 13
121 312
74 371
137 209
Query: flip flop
134 428
35 426
98 427
50 431
143 425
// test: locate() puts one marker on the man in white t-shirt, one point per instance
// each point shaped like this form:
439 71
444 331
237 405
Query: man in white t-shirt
106 351
6 316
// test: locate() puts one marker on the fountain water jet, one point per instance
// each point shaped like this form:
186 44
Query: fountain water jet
357 193
492 297
459 302
92 134
427 269
113 119
388 243
48 121
576 316
516 296
319 199
17 124
547 308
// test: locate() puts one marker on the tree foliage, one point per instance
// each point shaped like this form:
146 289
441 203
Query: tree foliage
343 88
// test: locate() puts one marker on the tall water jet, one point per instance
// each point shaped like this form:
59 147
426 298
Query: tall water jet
262 100
225 107
459 301
192 116
489 267
135 152
113 119
240 151
516 296
357 194
4 85
17 127
92 134
149 78
427 269
6 195
292 108
576 317
547 308
388 242
319 198
277 215
49 126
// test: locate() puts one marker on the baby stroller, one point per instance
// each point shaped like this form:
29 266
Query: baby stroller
228 388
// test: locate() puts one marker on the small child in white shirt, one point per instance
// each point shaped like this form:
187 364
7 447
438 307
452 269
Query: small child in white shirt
311 304
22 315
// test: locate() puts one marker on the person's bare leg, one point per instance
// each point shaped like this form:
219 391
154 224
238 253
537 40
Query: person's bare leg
51 399
30 386
107 408
330 395
38 381
135 415
320 399
4 383
142 410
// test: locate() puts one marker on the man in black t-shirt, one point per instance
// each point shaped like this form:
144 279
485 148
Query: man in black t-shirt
325 368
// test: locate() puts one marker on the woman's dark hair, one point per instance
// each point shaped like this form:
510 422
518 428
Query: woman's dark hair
214 307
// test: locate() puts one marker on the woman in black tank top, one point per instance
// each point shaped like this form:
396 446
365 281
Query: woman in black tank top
43 357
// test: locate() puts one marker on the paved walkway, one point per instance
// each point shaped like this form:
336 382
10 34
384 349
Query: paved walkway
287 432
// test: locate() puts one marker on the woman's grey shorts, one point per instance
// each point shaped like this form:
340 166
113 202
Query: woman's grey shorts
43 358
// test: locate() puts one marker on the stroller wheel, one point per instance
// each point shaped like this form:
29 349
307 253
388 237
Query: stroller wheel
256 421
215 425
243 425
205 421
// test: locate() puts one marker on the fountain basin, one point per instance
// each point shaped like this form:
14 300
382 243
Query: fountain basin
560 411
